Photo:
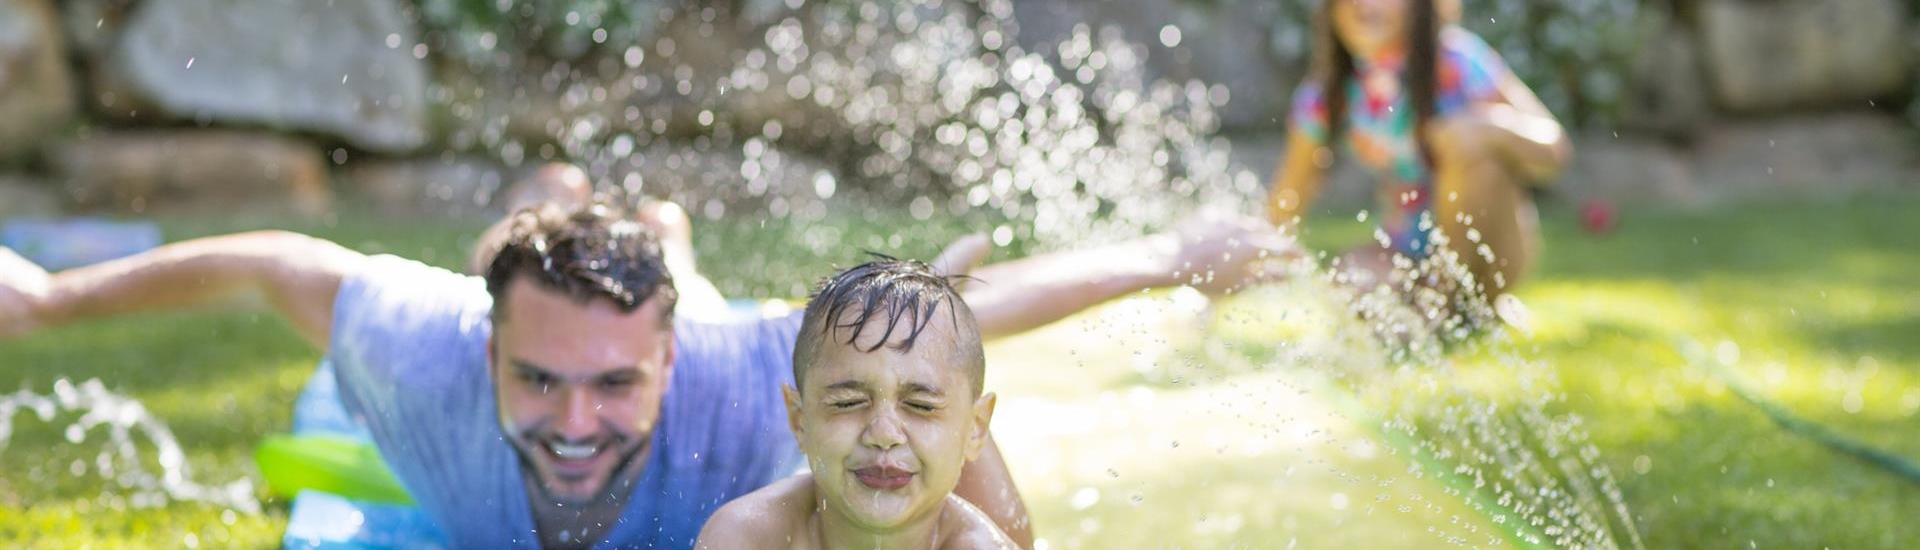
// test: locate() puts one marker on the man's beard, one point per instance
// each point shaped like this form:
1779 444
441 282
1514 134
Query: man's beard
614 489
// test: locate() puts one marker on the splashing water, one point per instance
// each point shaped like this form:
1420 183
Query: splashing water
123 418
928 103
1488 434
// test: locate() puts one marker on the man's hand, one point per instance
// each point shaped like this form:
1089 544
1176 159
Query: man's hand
1222 254
298 276
23 295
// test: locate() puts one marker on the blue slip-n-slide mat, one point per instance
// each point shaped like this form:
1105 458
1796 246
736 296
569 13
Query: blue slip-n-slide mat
322 520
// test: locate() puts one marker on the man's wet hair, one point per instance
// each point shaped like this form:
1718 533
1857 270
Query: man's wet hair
595 251
887 295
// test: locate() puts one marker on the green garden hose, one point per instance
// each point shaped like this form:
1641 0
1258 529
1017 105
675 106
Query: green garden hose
1695 354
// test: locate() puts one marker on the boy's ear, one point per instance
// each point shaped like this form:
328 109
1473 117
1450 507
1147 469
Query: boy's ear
978 429
793 409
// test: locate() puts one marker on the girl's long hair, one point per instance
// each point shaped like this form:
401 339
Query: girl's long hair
1333 67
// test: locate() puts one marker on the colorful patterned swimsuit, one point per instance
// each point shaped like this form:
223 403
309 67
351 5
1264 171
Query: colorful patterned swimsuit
1380 131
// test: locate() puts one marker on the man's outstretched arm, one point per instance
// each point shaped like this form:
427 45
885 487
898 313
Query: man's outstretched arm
988 485
1216 256
295 275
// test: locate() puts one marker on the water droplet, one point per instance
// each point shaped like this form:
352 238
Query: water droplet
1084 498
1002 236
1853 402
823 184
1726 352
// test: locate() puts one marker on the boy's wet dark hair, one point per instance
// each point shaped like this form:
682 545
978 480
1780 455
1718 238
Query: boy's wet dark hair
596 251
886 295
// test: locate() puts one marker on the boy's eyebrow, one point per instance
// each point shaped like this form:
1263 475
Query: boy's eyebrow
848 385
916 387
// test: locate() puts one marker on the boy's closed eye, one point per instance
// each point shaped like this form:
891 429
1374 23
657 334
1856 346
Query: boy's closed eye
845 401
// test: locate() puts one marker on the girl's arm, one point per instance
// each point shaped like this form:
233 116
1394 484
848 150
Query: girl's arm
1298 180
1516 126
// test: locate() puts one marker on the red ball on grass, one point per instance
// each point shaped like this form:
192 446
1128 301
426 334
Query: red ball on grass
1597 217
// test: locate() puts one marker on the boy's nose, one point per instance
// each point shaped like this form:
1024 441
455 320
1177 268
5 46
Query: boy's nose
883 432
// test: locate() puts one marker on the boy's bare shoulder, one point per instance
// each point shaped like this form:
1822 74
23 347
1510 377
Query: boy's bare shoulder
772 517
975 530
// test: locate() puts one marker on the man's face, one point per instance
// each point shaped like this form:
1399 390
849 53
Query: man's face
1368 26
579 386
887 432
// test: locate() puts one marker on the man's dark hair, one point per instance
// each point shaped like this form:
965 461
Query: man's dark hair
594 251
886 295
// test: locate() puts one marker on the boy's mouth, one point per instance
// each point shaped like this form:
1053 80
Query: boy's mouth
883 478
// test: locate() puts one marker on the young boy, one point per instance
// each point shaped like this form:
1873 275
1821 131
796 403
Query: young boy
889 407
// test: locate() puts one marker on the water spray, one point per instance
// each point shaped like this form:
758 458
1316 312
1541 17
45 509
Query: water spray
121 461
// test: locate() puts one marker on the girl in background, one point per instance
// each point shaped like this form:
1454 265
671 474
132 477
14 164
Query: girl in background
1454 139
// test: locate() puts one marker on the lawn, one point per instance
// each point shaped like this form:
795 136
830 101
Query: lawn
1130 427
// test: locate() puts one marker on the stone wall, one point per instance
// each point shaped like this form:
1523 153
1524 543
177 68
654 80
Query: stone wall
139 105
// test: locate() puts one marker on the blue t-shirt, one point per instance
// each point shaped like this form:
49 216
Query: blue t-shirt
409 345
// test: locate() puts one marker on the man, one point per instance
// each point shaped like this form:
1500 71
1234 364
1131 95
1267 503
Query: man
557 402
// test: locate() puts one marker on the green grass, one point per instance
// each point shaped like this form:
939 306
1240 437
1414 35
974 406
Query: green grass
1815 304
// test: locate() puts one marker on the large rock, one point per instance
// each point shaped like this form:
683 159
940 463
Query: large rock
1805 154
36 91
24 197
1787 53
1630 170
448 186
1667 91
91 25
345 68
200 171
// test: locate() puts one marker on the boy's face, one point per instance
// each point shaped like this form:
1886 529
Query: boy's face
887 432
